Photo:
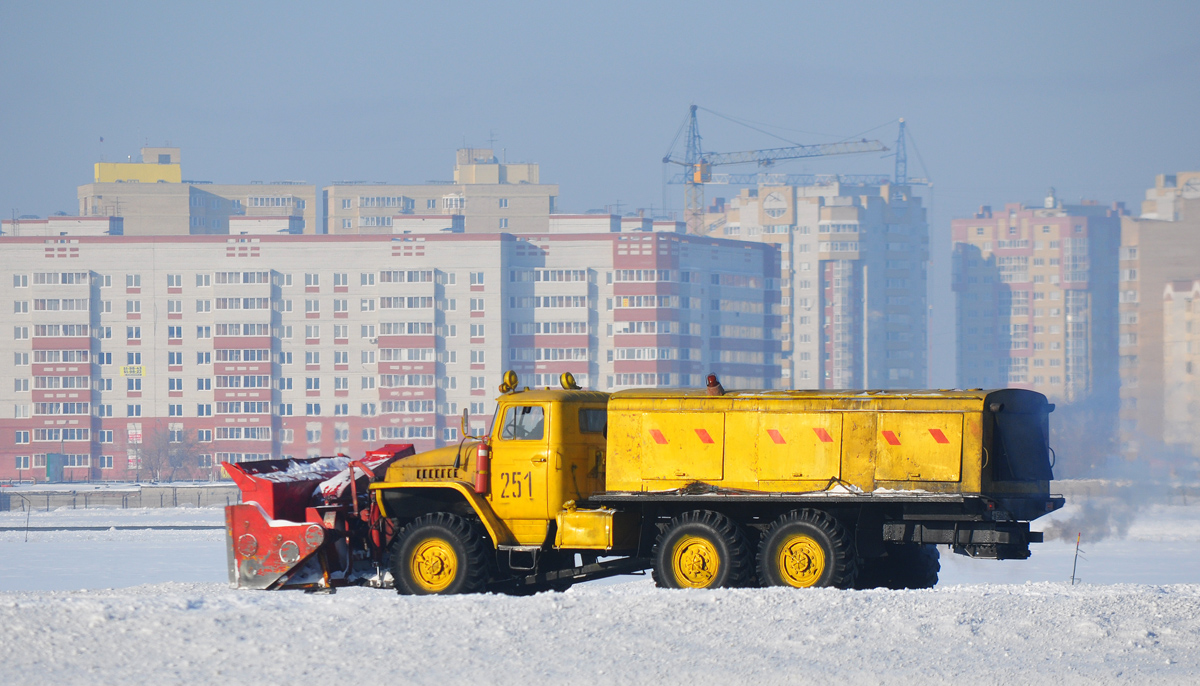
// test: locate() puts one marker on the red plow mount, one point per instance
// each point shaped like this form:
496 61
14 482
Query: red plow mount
308 523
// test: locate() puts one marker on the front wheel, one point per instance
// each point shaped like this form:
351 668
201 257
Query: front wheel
806 548
440 554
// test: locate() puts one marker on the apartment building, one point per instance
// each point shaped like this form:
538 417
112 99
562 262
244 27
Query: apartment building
151 198
263 346
491 196
853 278
1160 246
1036 298
1181 365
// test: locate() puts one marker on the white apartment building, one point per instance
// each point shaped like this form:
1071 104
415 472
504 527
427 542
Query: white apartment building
265 346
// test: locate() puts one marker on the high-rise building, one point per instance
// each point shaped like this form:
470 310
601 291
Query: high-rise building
853 278
246 347
491 196
152 199
1036 299
1158 247
1181 365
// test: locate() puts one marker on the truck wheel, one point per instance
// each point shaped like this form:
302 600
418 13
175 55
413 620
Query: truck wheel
806 548
906 565
440 554
912 565
702 549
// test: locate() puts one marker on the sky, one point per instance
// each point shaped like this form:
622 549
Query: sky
1003 100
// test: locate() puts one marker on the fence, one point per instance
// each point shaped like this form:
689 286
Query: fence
143 496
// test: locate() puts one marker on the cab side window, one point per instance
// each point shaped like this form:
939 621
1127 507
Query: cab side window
592 421
525 423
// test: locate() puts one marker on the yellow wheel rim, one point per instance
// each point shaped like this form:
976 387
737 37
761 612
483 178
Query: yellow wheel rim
800 561
695 562
433 565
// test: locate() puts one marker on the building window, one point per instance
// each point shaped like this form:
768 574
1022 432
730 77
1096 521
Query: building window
504 222
504 203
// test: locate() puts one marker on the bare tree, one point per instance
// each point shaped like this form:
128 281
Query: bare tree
166 452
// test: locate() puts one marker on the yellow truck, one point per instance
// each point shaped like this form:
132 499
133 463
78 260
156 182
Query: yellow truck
709 488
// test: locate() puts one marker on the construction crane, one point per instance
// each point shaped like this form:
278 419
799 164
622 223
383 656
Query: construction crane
901 177
697 164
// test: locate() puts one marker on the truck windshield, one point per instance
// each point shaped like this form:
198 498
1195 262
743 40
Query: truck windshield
523 423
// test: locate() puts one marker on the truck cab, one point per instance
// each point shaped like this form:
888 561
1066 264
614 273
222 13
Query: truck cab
547 449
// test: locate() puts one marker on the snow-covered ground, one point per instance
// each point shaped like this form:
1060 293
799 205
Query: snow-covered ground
1135 618
627 634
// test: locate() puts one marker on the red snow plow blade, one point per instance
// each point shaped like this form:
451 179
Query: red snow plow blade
307 523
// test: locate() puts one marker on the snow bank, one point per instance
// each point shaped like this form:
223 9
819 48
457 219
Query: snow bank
628 634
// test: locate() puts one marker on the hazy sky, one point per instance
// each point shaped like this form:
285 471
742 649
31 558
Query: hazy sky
1003 100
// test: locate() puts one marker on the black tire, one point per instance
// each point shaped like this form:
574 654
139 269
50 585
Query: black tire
424 549
806 548
702 549
906 565
555 560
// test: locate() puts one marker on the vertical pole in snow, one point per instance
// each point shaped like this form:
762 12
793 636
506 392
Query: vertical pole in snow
1075 564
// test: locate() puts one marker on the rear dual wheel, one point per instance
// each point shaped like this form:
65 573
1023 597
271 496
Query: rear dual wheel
905 565
806 548
440 554
702 549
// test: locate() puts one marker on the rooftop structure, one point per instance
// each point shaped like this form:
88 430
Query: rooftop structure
490 196
151 198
